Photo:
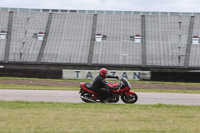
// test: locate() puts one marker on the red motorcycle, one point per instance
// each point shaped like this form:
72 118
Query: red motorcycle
127 96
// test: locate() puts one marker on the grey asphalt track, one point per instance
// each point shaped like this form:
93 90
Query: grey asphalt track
73 96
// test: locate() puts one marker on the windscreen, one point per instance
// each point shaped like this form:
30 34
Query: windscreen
125 81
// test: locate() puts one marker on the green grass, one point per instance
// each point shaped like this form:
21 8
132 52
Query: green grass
41 117
167 91
37 87
167 83
21 78
76 88
42 79
131 81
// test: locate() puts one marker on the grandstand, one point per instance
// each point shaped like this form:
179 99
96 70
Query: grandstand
95 38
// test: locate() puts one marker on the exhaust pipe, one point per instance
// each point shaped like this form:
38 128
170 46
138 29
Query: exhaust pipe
90 100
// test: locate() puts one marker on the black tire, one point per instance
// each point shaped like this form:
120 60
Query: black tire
131 99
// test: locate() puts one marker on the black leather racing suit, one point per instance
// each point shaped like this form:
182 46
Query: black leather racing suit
99 85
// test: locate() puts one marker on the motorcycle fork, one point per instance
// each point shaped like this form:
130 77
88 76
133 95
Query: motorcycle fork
127 96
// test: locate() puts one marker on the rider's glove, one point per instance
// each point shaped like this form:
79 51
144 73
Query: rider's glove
117 77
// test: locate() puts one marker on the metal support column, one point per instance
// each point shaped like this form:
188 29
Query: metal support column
8 40
92 39
143 28
189 42
40 56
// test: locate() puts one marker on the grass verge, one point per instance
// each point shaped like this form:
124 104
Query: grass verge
76 88
131 81
36 87
18 116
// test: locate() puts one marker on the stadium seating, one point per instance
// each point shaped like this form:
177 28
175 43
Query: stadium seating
117 48
70 37
195 48
166 38
24 47
3 27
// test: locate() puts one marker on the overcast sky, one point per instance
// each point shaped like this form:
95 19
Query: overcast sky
117 5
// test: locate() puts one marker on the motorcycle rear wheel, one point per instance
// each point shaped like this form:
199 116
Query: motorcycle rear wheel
131 99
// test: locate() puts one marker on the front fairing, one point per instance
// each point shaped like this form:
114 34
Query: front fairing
126 82
125 89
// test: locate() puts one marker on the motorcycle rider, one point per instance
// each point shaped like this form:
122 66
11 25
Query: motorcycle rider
99 84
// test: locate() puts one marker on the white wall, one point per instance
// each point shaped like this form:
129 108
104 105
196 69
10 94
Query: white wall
91 74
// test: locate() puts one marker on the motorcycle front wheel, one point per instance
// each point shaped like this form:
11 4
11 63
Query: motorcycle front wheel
131 99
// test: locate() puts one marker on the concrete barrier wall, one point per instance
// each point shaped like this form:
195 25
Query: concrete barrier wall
30 73
91 74
176 76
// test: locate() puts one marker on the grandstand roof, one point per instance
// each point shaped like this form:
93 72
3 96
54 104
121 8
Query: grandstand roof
98 11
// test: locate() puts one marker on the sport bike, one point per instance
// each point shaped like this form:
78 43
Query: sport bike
124 91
